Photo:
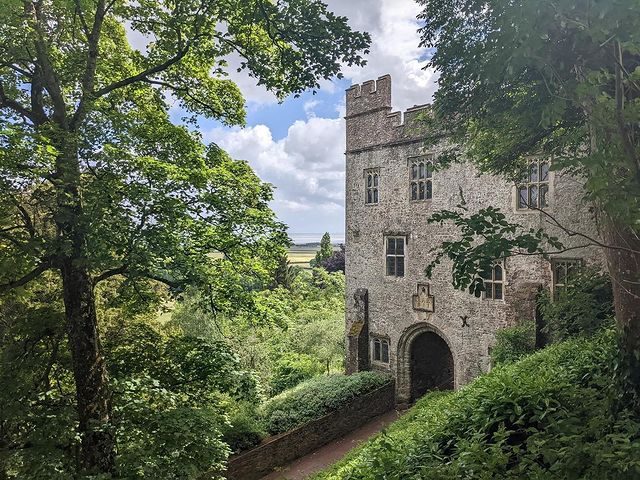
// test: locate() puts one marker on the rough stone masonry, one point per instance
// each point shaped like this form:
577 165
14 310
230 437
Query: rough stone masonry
424 332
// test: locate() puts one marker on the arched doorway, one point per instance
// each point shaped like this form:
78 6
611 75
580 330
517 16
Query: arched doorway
425 362
431 365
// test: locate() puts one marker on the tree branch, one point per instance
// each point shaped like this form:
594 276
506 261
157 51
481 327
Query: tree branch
92 63
144 74
50 79
185 91
33 274
15 106
124 269
573 233
110 273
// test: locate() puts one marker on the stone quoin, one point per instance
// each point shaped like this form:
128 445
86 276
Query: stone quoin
422 331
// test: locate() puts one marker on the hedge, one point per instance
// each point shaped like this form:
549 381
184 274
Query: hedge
316 397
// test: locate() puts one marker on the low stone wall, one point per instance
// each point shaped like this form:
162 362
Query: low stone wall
281 449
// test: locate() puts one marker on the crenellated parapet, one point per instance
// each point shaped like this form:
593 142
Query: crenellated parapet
370 96
370 120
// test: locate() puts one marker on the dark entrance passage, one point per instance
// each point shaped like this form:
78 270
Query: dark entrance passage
431 365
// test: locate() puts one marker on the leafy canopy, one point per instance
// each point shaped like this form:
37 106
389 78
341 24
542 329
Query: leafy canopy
156 202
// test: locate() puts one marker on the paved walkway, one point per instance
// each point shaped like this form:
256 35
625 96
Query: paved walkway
333 451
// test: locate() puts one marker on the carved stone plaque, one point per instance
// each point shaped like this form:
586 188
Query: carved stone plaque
422 300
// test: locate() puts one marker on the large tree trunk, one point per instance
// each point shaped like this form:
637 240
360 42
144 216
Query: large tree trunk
624 268
89 369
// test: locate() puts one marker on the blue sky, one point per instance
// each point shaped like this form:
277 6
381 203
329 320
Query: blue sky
298 145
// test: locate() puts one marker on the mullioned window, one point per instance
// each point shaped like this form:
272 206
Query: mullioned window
395 256
533 188
372 186
494 282
421 174
381 350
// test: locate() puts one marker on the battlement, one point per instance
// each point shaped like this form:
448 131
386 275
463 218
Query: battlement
370 121
409 116
372 95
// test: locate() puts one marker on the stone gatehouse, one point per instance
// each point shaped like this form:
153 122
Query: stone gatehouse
423 331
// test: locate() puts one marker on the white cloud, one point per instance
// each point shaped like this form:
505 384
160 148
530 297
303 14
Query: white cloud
309 107
394 50
307 166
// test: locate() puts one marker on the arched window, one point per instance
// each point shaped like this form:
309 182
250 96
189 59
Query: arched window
494 282
563 271
421 172
381 350
533 190
372 180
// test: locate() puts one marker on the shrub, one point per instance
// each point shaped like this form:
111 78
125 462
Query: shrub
316 397
335 263
244 430
554 414
513 343
585 307
293 369
160 436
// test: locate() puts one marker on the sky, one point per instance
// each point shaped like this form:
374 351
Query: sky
298 145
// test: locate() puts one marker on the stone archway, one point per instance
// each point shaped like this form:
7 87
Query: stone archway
425 362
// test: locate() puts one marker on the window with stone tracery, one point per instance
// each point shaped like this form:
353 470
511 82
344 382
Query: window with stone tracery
372 184
563 270
381 350
421 173
533 188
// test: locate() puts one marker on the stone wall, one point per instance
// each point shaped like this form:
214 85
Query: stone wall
376 139
279 450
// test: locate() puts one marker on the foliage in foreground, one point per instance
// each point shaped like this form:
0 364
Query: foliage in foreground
554 414
513 343
170 392
97 181
316 397
583 308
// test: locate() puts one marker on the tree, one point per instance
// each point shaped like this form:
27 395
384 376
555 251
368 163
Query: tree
326 250
547 78
97 182
335 263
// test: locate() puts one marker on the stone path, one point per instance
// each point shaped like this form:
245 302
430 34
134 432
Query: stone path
333 451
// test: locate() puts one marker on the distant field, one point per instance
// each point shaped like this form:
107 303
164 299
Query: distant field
301 256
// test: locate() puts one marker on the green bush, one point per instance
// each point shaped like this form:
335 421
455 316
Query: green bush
585 307
315 398
244 430
513 343
293 369
553 415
